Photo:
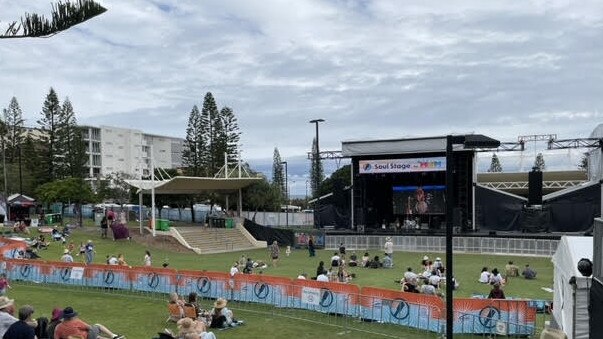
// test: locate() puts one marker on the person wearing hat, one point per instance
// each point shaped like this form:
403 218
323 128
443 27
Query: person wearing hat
7 309
496 292
67 257
189 328
438 265
22 329
89 252
389 248
73 326
220 315
55 320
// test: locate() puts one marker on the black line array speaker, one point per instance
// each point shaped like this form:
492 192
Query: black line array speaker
535 187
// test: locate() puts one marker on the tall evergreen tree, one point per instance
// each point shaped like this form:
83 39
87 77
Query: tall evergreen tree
209 114
539 162
15 130
72 143
316 171
194 144
50 126
495 165
278 174
232 133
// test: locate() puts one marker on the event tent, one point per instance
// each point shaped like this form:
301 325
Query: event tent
570 300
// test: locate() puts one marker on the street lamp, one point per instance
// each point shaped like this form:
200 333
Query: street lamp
286 192
317 166
469 141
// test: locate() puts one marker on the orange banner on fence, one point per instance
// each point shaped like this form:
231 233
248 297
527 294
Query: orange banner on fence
435 303
353 291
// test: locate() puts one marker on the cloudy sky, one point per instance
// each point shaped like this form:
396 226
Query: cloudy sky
371 69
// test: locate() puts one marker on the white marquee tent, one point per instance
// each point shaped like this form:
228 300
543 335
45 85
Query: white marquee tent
570 301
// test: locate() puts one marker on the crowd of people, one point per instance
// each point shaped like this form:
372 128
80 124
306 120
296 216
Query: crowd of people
64 324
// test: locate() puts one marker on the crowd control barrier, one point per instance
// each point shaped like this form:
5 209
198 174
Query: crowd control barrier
402 308
417 311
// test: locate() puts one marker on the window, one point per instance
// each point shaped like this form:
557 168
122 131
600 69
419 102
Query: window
96 160
96 147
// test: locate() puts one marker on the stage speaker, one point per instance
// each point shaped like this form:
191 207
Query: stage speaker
535 187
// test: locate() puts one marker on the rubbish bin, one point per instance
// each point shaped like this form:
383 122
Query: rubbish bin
230 223
162 224
217 222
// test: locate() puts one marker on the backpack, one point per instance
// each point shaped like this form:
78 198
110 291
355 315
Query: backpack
41 330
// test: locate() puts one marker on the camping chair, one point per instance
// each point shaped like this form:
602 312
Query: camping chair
190 311
176 312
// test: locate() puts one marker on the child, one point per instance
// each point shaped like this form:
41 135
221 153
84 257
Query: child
288 251
3 284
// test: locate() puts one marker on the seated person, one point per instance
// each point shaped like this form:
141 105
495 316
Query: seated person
438 265
57 235
434 279
353 260
321 269
221 316
428 289
528 272
189 328
387 261
40 242
496 292
323 277
365 259
260 264
335 260
248 268
511 270
343 275
342 249
495 277
20 227
426 264
375 263
484 277
73 326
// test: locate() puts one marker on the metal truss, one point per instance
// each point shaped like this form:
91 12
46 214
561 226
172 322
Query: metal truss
517 185
575 143
327 155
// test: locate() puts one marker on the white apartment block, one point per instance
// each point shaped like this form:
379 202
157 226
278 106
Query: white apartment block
114 149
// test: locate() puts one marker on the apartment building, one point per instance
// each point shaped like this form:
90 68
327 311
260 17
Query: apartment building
114 149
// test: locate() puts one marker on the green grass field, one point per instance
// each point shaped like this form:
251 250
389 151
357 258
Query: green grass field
140 316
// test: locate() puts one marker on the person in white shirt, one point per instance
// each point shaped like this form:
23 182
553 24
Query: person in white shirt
335 260
484 277
389 247
66 256
303 276
428 289
495 277
322 277
234 269
7 309
434 279
113 260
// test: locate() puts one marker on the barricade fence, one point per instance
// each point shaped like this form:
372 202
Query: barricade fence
425 243
347 305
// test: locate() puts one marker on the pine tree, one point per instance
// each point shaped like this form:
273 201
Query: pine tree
316 171
583 165
232 133
15 130
495 165
193 144
278 174
539 162
209 113
72 143
52 158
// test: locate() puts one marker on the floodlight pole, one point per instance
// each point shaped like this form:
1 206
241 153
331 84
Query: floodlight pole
286 193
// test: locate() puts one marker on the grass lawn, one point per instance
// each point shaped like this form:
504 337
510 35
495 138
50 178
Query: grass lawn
146 315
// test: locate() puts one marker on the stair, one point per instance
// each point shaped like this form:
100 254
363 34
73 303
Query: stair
205 240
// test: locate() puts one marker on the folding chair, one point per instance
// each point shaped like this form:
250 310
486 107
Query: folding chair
175 311
190 311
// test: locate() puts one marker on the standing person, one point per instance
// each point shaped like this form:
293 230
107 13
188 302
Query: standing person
73 326
4 285
147 258
311 249
274 253
89 248
66 256
389 248
104 225
22 329
7 309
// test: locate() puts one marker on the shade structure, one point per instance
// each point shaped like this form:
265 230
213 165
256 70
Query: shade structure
193 185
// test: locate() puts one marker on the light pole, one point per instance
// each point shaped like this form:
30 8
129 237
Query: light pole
317 175
286 192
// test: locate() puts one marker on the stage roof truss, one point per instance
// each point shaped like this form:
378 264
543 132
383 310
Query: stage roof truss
510 185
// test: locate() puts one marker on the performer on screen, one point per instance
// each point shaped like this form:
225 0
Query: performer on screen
421 206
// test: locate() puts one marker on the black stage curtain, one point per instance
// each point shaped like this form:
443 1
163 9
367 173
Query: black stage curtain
576 210
259 232
496 210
